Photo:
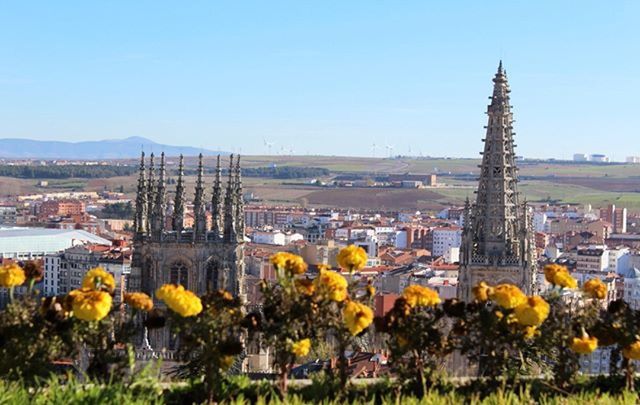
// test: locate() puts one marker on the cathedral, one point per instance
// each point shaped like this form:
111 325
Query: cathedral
497 239
210 254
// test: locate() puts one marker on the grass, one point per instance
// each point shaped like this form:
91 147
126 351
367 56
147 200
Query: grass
146 389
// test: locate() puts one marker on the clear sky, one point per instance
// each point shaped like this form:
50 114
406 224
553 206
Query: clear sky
323 77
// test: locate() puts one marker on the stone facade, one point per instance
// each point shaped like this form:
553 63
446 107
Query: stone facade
498 243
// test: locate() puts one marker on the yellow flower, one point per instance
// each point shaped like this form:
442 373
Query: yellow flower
371 290
90 305
226 362
179 300
11 275
584 345
632 351
139 300
550 271
482 291
530 332
508 296
99 279
301 347
563 279
532 312
289 262
323 267
305 286
402 341
357 317
352 258
595 288
332 285
417 295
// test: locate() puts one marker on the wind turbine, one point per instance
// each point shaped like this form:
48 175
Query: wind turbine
268 144
390 150
373 149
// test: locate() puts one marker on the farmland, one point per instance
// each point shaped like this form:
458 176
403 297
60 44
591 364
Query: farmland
541 181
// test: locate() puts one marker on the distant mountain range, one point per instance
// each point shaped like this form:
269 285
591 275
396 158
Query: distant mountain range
107 149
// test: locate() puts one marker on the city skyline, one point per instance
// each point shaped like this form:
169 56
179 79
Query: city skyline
322 80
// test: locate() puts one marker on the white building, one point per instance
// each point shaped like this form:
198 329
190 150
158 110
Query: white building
580 157
444 239
633 159
8 215
539 221
599 158
632 287
619 259
64 271
275 237
34 243
401 240
592 258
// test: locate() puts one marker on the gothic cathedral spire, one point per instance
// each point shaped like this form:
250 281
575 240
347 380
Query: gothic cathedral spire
151 187
495 241
217 214
160 206
140 218
239 203
230 234
497 201
199 206
178 205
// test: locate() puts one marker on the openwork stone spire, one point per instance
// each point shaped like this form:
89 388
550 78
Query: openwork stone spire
140 218
239 203
178 205
230 233
160 206
151 187
199 207
497 236
217 215
497 220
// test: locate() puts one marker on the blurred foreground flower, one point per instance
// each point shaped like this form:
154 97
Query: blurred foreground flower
332 285
139 300
301 347
90 305
179 300
508 296
533 311
352 258
584 345
595 288
99 279
632 352
11 275
419 296
482 291
292 264
357 317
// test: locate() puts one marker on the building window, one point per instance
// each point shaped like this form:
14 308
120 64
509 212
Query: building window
179 274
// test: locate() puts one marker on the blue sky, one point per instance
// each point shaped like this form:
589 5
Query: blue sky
323 77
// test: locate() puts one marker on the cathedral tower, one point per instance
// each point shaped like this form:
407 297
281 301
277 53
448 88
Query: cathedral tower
199 258
497 239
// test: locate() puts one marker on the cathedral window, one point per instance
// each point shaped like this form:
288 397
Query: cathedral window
179 274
